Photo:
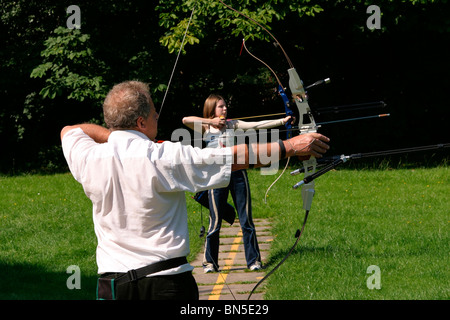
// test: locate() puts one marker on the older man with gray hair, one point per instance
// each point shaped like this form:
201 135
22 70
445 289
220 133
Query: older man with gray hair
137 192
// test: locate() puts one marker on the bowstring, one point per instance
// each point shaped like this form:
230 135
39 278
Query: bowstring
176 61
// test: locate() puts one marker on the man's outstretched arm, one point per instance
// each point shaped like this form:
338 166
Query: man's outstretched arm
306 145
98 133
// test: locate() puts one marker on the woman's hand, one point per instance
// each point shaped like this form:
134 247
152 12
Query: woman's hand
287 119
218 122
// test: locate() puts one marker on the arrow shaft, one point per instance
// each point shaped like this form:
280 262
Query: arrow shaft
353 119
351 107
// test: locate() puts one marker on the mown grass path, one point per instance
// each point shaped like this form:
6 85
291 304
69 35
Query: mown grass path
234 280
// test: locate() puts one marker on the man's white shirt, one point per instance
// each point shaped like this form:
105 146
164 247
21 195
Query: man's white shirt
137 188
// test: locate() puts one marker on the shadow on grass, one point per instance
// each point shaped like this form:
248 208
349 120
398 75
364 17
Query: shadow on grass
300 250
34 282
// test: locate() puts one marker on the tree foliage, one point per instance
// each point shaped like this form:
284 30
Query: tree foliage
53 76
213 15
70 66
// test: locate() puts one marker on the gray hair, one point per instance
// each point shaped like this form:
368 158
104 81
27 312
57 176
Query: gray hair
125 103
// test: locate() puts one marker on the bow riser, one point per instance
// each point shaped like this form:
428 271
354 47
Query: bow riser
306 119
306 124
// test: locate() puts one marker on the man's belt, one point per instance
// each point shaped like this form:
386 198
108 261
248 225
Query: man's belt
136 274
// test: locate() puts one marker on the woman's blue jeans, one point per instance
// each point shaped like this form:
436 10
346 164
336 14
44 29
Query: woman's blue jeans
240 191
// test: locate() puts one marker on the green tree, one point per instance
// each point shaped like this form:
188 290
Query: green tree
69 67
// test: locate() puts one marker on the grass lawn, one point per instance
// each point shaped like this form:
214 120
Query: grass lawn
397 220
45 227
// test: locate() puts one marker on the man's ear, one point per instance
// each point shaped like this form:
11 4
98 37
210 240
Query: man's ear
140 123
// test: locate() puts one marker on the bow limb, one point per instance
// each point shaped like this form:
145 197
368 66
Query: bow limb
287 104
